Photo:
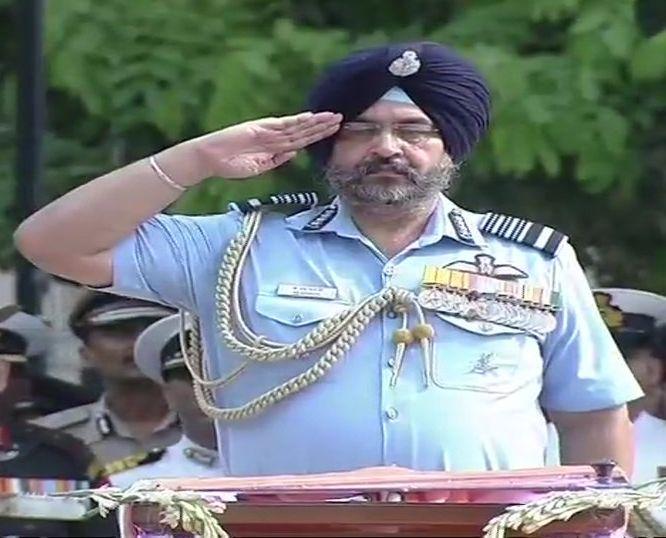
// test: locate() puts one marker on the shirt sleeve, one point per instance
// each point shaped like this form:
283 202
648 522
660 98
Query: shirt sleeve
167 254
584 369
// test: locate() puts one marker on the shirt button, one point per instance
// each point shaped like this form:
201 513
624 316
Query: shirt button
391 362
391 413
389 270
297 318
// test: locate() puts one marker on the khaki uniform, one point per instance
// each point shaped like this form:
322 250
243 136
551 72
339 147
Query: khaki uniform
110 439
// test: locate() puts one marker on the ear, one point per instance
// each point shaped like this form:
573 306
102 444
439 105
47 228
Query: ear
5 371
84 353
656 371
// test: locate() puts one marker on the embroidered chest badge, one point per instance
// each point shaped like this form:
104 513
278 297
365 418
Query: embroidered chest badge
486 291
484 364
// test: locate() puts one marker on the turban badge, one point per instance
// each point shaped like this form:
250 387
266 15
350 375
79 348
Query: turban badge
405 65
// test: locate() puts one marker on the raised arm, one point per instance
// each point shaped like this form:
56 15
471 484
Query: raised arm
74 236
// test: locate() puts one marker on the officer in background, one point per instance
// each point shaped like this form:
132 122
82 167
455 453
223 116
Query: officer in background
131 424
637 321
35 459
159 356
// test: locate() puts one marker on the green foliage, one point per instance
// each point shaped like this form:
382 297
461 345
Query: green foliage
577 85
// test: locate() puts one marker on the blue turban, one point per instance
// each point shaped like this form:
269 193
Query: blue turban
449 89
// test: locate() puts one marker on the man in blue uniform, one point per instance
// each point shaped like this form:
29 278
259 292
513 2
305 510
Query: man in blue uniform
389 327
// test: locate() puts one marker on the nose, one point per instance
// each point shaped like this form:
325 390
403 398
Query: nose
387 145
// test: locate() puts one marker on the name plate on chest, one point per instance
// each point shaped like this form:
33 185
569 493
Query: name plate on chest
307 292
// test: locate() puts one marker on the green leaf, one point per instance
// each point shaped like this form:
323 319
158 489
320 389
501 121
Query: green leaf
552 10
589 83
232 99
591 18
513 148
537 109
166 111
613 129
649 59
547 156
620 38
597 169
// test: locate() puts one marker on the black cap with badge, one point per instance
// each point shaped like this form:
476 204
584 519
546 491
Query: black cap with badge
97 309
21 335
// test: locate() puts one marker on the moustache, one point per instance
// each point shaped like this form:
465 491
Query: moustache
393 167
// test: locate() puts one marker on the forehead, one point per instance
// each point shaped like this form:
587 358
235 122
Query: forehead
120 329
390 111
638 353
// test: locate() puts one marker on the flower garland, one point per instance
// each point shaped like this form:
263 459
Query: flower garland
560 506
196 512
190 510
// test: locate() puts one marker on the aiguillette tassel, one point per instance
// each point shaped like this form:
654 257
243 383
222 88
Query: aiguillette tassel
424 333
402 338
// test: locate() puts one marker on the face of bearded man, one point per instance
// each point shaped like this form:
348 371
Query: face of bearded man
381 181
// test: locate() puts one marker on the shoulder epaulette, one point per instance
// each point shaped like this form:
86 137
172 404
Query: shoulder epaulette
133 461
200 455
64 419
306 199
523 231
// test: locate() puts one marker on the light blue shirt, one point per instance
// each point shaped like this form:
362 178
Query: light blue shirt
478 419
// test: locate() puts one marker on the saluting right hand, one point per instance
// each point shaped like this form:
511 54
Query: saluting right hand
254 147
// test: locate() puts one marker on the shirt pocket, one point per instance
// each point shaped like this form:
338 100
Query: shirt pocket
478 356
286 320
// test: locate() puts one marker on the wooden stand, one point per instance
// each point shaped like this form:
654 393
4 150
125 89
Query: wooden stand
421 504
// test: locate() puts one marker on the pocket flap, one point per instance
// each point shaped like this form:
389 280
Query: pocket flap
297 311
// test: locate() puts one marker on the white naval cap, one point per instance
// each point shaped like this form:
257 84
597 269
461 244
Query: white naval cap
150 350
631 301
33 334
631 315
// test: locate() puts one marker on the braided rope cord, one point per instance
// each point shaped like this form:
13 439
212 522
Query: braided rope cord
339 332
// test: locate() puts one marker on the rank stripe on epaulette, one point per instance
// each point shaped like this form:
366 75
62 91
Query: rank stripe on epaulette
460 226
322 219
523 231
296 198
134 460
300 198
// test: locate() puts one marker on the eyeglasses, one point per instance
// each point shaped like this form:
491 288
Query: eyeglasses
365 131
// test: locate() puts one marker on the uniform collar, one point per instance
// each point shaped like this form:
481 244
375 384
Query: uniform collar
448 220
114 424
